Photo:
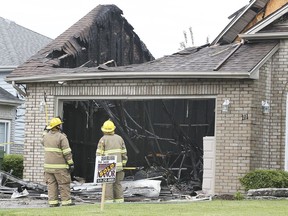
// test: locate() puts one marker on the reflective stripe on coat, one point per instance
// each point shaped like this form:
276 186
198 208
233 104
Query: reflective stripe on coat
58 154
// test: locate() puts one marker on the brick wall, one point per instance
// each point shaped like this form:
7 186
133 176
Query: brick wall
35 123
229 127
242 143
233 135
277 116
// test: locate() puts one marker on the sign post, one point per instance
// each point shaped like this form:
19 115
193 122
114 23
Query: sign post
103 196
105 172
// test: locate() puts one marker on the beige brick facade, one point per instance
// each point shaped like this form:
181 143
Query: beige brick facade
242 144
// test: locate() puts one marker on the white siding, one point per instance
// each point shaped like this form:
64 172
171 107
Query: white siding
18 136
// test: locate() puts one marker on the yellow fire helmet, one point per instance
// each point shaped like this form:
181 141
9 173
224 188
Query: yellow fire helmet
54 122
108 126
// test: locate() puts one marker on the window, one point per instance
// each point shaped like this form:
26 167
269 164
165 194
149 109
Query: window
5 127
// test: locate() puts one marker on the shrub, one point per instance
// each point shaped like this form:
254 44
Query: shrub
13 162
264 179
238 196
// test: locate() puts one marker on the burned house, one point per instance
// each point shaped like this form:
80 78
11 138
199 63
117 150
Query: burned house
206 115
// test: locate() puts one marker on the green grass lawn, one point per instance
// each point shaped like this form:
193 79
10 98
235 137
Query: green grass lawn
199 208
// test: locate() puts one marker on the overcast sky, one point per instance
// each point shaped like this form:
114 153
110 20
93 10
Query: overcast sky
158 23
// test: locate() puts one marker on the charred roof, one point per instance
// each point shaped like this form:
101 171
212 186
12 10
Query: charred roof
103 37
100 36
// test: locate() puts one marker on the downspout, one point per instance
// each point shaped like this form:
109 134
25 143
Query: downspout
283 128
229 55
269 77
19 90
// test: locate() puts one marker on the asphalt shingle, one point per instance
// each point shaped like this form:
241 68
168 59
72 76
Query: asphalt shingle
8 98
18 43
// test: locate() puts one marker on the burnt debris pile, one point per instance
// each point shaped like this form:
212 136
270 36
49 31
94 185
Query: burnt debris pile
164 137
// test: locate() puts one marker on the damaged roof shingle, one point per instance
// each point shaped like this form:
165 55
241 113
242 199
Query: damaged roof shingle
191 63
58 58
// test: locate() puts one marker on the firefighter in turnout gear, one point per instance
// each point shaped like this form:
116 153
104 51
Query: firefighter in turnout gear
113 144
58 164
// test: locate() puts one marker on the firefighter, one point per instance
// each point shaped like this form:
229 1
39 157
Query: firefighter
58 164
113 144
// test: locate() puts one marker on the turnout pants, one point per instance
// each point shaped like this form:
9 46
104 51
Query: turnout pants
58 183
114 191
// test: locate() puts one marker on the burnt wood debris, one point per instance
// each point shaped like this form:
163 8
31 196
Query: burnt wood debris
163 139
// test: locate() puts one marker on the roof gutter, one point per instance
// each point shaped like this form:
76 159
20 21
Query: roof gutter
7 68
11 103
265 36
130 75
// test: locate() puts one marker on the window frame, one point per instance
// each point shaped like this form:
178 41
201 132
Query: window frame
7 133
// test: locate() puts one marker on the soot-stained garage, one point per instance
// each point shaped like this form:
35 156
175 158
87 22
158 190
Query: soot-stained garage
165 133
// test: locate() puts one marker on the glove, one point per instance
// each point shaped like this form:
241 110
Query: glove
71 168
45 131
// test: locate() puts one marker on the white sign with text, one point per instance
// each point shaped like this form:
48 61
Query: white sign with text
105 169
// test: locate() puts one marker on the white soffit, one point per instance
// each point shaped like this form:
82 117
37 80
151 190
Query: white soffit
233 22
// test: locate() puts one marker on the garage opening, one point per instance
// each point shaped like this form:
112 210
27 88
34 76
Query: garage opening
162 136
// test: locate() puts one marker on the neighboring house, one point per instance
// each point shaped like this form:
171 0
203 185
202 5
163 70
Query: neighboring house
17 44
225 102
8 105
